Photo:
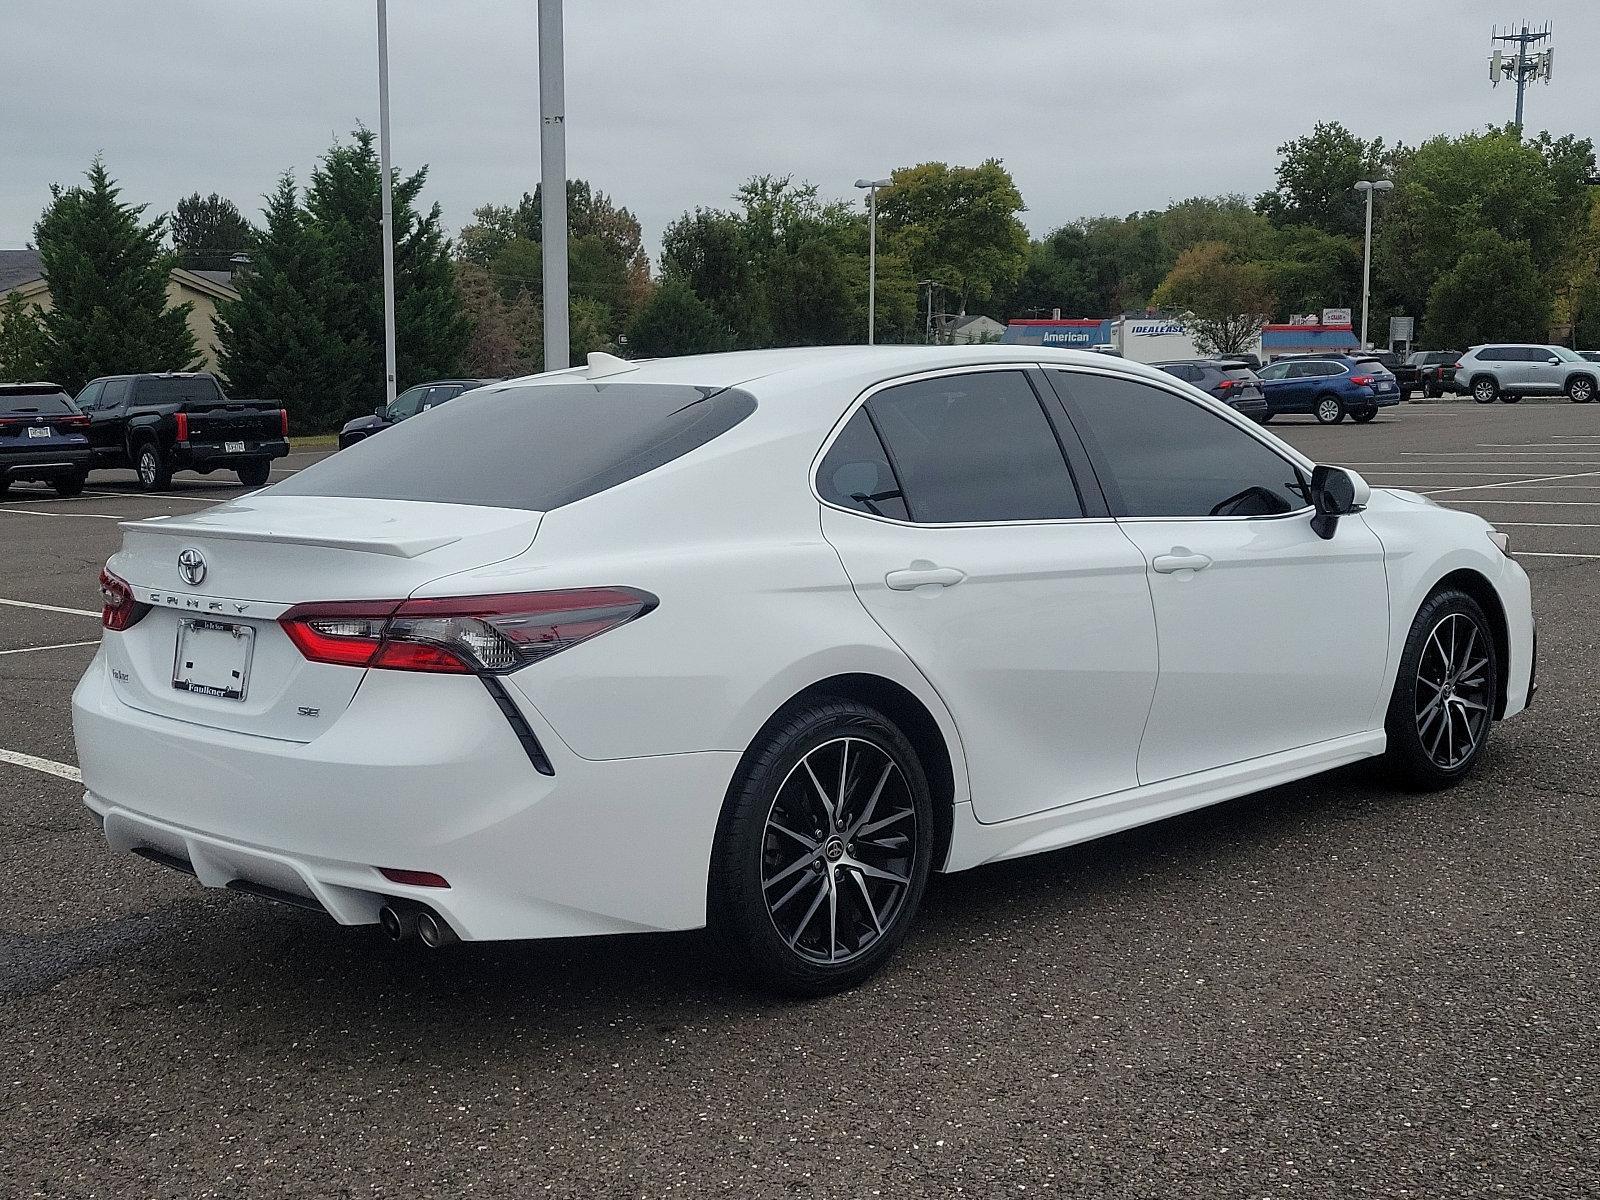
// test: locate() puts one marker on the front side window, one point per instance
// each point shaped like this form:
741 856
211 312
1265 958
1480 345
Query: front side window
1277 370
90 397
974 447
1160 455
407 403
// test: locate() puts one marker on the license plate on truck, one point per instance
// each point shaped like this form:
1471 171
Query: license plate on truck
213 658
233 447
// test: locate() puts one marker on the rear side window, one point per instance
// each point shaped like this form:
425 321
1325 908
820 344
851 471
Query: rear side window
855 473
1498 354
975 446
1371 365
1169 457
535 447
156 390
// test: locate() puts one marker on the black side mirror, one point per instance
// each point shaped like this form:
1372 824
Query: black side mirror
381 410
1335 492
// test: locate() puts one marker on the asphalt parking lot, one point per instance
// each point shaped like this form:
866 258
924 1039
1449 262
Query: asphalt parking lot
1328 989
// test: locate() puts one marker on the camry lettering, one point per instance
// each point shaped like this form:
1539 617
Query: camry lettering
199 604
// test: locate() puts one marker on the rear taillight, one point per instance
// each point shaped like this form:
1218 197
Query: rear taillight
120 610
1361 380
488 634
73 422
183 426
1227 385
283 421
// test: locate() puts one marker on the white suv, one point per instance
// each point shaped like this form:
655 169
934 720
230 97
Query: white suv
1510 372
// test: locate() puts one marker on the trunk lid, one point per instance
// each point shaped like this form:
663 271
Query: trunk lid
212 626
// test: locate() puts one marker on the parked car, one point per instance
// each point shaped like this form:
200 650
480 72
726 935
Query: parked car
1229 380
181 421
1591 355
42 437
1510 371
407 404
1389 359
758 640
1329 387
1432 372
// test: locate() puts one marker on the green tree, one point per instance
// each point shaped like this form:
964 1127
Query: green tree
279 340
1585 316
706 250
958 225
1495 292
21 341
1309 269
207 231
1316 180
676 321
1224 299
506 338
107 275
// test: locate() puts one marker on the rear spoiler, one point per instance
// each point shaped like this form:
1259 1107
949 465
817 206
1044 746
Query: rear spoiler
397 547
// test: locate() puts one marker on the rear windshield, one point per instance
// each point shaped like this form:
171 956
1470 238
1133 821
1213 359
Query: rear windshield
1238 371
171 391
50 404
1370 365
535 447
1435 357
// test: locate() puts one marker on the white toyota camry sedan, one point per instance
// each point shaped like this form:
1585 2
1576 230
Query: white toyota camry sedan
758 640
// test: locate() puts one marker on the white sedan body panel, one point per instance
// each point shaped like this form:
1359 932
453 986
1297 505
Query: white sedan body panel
1075 691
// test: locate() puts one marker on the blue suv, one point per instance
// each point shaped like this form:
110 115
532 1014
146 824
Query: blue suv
1329 387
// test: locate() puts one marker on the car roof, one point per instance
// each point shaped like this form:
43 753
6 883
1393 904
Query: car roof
40 388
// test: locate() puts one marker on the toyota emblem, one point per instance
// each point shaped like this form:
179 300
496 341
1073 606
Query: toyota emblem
192 566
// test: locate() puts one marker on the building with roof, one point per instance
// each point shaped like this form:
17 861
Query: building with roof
22 274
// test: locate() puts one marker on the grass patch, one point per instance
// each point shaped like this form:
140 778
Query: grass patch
315 441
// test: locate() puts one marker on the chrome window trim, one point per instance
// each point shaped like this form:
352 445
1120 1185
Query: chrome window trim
1021 366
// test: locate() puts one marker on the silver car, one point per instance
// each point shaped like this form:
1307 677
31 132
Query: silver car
1508 372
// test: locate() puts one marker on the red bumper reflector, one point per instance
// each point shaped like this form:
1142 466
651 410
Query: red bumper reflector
413 878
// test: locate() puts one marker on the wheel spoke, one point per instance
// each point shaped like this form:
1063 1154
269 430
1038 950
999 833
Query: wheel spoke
844 780
805 860
866 896
833 917
822 792
808 843
1474 705
792 892
816 903
880 873
869 830
872 802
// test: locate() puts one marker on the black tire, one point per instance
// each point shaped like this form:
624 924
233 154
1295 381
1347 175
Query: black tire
1485 390
256 472
1508 398
750 863
69 485
1266 418
155 473
1363 415
1450 626
5 486
1580 389
1405 394
1328 410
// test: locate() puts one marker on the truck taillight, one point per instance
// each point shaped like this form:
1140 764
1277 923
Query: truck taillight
183 426
283 421
468 634
120 610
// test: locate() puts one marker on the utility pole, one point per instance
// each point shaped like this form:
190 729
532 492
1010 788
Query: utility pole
1369 186
553 186
388 203
1521 67
872 186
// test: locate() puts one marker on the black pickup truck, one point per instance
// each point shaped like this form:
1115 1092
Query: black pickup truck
181 421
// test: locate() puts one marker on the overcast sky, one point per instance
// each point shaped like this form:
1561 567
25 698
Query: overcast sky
1095 107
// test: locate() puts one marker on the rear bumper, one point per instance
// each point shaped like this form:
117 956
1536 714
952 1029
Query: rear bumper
45 463
1253 406
202 456
431 779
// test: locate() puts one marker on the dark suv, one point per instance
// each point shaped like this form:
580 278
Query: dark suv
1229 380
42 437
407 404
1329 387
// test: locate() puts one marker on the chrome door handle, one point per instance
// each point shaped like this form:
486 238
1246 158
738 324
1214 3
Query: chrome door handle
1168 563
921 573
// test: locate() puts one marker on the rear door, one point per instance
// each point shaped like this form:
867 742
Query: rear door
1270 637
966 536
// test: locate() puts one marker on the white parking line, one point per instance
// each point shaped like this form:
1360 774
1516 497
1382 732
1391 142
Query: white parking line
1549 554
45 765
1465 500
1524 525
33 512
77 612
1535 479
57 646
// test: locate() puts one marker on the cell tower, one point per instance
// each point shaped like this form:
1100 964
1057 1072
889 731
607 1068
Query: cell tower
1523 66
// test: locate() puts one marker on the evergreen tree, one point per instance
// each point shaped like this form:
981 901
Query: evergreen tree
676 321
207 231
21 341
276 340
107 275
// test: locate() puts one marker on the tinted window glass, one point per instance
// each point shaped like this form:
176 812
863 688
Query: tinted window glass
115 395
975 447
533 446
855 473
407 404
1497 354
1275 371
1372 366
1168 457
155 390
52 404
90 397
1238 373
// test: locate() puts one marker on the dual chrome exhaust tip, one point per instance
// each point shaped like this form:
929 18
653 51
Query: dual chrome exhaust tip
403 920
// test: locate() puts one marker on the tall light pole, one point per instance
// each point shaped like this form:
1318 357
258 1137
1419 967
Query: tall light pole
553 185
872 186
388 202
1369 186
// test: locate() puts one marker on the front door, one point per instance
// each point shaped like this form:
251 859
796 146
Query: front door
970 541
1270 637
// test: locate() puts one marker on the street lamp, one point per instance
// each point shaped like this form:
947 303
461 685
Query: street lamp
553 185
872 186
1369 186
388 203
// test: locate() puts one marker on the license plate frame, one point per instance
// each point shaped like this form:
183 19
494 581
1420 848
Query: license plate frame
233 447
40 431
225 650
